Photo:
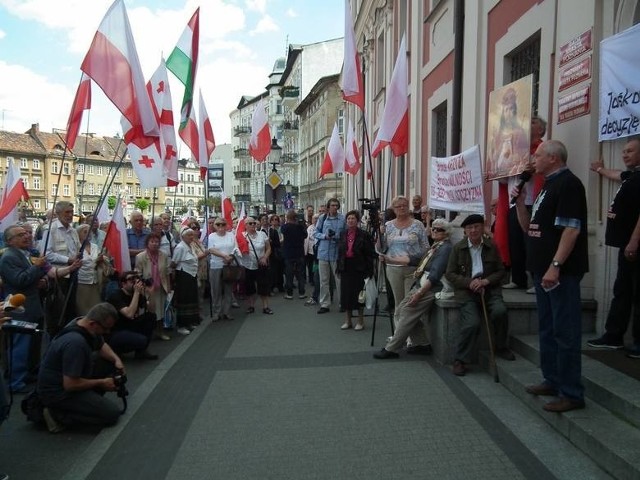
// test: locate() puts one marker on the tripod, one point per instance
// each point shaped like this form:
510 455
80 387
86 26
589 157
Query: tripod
373 207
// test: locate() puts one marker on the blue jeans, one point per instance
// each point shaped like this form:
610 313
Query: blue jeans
560 331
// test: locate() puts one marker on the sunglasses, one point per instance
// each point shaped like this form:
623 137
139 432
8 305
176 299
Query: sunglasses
220 224
437 229
251 223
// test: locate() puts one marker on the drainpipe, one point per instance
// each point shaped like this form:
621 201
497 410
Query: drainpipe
458 57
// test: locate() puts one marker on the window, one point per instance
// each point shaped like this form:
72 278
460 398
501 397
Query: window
129 172
147 193
36 164
55 166
66 191
80 168
90 169
380 80
36 204
99 170
91 188
525 60
25 181
100 189
137 190
400 173
440 130
65 168
341 121
9 161
180 189
129 190
24 163
36 183
54 190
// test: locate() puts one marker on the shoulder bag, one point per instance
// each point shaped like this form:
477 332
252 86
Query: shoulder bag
234 272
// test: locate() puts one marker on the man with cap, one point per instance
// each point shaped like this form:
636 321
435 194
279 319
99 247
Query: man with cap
475 270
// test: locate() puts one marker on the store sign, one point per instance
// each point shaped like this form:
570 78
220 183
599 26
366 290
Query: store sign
574 104
573 74
576 47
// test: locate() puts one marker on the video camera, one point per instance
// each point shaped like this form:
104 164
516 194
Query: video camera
148 282
120 381
373 207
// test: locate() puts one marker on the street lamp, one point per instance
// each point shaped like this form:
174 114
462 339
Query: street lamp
274 160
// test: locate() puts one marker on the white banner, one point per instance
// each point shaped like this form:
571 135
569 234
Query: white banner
619 86
456 182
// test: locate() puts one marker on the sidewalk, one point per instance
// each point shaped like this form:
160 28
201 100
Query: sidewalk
292 396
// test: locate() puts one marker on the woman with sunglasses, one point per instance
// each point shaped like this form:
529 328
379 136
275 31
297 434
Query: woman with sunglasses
256 263
200 251
222 246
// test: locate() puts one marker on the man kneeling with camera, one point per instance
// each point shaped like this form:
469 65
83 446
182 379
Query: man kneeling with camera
71 384
135 325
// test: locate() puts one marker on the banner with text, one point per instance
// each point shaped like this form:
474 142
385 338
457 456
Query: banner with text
619 88
456 182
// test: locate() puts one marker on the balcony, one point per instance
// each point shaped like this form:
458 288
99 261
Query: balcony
289 158
290 95
241 131
243 197
290 128
240 152
242 174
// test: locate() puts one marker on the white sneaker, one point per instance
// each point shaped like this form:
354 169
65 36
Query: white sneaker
301 296
288 297
531 290
183 331
311 301
510 286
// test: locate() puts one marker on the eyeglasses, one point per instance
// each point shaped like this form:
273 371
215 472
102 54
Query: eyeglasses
131 279
220 224
437 229
334 205
251 223
402 205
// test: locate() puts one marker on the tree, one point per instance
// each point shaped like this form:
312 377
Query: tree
111 202
141 204
211 202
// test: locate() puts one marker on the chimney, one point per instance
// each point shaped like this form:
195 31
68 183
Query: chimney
35 128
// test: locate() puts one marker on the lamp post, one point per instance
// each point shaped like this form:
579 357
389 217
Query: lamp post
274 160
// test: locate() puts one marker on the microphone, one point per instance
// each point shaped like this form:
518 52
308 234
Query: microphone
524 178
14 303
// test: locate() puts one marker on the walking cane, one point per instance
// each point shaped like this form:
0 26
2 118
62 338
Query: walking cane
492 353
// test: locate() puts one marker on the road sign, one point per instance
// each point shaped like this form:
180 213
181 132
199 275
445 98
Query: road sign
274 180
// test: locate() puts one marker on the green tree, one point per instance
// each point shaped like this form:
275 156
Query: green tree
212 202
111 202
142 204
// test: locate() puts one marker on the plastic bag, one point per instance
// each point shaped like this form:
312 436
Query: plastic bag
371 292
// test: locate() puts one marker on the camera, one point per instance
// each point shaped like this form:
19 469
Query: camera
120 380
148 282
331 232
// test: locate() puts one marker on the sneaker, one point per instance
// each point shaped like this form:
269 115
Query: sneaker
235 305
603 342
511 286
183 331
634 351
310 302
4 476
531 291
52 424
288 297
302 295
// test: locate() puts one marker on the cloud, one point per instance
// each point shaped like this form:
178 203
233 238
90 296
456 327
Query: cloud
291 13
257 5
2 34
266 24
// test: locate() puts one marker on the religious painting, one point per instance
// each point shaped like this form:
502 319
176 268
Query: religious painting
509 129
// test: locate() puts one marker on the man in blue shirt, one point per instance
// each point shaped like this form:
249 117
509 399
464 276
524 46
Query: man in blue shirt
136 235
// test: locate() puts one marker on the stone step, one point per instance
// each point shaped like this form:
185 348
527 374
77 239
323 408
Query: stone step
601 431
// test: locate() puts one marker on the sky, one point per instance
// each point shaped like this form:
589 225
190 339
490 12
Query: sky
43 43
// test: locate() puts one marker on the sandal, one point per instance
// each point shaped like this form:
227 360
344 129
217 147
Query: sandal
251 310
267 311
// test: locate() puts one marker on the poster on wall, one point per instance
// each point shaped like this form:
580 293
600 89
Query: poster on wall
509 129
619 89
456 182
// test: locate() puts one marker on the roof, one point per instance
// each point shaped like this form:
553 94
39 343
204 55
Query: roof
12 142
316 90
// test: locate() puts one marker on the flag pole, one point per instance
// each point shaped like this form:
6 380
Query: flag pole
84 170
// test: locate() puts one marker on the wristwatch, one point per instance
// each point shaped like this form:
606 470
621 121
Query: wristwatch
556 264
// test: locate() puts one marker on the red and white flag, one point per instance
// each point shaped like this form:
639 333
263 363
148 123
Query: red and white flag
183 63
334 158
146 159
367 166
394 126
12 192
190 135
227 211
116 240
260 141
160 94
81 102
241 235
112 62
103 213
352 162
185 220
352 83
206 142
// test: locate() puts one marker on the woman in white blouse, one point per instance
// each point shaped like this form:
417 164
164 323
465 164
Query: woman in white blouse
185 294
88 293
222 246
256 263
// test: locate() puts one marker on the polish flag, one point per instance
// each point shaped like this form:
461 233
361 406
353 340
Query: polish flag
260 142
81 102
241 232
116 240
112 62
227 211
334 159
103 213
352 163
394 126
352 87
186 218
206 143
183 63
160 94
12 192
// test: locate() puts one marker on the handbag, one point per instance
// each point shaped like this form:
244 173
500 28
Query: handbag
233 273
371 292
362 296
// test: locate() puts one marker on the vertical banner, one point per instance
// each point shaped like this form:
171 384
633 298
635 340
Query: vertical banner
509 129
456 182
619 90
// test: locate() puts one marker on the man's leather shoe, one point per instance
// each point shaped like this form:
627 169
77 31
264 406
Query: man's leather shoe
385 354
563 405
323 310
459 368
541 389
506 354
419 350
146 355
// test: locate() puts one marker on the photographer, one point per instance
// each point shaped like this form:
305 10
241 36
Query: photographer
70 385
134 328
